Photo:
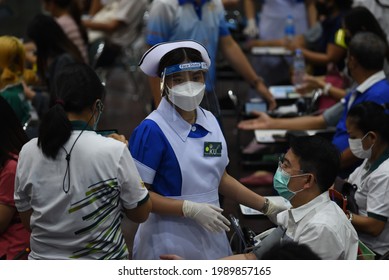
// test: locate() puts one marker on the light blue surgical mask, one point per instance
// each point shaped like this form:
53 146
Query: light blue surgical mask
281 181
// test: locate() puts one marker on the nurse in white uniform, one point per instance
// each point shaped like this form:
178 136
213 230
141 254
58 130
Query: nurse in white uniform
181 155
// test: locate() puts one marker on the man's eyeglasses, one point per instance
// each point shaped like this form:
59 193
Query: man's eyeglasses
284 164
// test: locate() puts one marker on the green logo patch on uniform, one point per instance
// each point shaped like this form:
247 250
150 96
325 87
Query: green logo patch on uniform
212 149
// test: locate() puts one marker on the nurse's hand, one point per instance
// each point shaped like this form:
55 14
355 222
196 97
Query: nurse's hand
207 215
275 208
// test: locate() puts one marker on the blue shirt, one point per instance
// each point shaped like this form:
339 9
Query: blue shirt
375 89
172 20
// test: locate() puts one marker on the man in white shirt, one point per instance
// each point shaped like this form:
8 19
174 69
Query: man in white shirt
303 177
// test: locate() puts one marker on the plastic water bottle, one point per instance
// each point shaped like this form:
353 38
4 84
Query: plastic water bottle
289 29
298 68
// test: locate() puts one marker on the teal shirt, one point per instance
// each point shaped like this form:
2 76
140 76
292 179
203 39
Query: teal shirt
14 94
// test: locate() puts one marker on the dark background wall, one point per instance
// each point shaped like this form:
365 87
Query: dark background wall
15 15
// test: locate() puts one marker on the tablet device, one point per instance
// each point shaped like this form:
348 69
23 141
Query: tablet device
106 132
255 106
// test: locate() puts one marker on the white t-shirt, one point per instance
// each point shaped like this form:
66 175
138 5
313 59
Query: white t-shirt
321 225
83 223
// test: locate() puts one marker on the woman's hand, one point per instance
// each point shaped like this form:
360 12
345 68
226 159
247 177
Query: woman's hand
119 137
207 215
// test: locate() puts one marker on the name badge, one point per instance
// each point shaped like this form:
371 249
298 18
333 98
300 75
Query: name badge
212 149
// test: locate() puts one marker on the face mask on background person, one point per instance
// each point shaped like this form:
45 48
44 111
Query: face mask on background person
356 148
187 96
281 181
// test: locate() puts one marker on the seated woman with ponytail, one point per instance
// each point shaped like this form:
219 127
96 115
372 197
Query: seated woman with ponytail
72 185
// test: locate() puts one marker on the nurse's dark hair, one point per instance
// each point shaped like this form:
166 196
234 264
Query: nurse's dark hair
77 87
319 156
370 116
178 56
369 50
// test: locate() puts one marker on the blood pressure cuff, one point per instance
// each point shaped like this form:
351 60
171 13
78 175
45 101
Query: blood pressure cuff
273 239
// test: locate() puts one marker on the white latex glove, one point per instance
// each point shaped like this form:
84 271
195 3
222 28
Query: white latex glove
207 215
251 29
275 208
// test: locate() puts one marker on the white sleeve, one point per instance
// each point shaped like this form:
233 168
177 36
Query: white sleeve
378 195
22 191
132 188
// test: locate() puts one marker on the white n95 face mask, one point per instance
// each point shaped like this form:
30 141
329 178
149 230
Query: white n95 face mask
188 95
356 148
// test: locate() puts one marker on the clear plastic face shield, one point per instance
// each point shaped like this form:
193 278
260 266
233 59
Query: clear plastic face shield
184 85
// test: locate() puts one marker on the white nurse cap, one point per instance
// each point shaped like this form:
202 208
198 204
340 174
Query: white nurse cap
149 62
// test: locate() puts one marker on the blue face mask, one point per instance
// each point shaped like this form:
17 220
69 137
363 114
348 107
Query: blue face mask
280 183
